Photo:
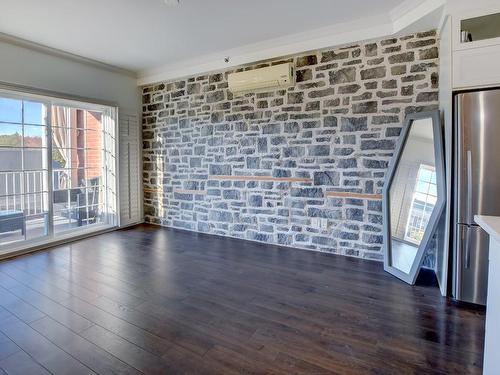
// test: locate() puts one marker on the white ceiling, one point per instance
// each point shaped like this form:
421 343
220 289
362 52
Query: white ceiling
144 35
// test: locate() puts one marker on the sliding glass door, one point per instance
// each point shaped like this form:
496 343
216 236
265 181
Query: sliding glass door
77 168
57 168
24 193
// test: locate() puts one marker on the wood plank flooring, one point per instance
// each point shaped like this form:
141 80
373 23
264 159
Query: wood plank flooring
161 301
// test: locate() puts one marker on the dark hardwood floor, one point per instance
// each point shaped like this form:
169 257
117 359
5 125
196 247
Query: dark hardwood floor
151 300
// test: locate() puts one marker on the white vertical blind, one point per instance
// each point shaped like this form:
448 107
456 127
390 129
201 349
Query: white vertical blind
130 170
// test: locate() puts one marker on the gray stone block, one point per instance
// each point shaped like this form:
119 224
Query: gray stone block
326 213
349 89
402 58
356 214
293 151
333 56
220 169
322 93
328 178
374 73
306 60
319 150
427 54
255 200
347 163
375 164
307 192
215 96
222 216
324 241
271 129
371 49
303 75
353 124
345 75
365 107
383 144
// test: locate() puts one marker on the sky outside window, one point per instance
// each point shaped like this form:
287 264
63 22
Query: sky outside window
11 115
11 110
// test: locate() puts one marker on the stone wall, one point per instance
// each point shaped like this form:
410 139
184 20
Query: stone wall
316 153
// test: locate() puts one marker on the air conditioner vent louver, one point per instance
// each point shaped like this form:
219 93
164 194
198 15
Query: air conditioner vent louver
276 76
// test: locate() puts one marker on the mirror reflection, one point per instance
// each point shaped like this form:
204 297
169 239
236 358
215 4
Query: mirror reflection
412 194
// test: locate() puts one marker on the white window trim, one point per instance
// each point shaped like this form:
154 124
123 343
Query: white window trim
51 99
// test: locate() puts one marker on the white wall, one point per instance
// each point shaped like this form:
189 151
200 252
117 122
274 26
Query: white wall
461 5
23 66
33 68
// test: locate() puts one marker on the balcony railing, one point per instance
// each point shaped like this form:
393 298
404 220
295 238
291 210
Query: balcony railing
27 190
23 191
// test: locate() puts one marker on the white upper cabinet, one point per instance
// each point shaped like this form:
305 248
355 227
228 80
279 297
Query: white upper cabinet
477 28
476 48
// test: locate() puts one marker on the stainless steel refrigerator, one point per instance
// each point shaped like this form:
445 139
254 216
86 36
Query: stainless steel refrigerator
476 189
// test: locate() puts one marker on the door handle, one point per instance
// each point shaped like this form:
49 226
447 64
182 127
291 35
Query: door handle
469 188
467 249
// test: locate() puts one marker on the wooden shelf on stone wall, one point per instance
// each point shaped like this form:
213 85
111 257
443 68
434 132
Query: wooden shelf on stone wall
180 191
149 190
261 178
348 194
187 191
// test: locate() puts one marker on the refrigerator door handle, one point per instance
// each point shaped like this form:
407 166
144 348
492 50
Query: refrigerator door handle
469 187
460 260
467 249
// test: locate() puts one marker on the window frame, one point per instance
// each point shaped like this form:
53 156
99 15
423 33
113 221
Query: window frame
110 113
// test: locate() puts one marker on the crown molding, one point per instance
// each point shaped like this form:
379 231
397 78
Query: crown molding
400 18
403 8
20 42
411 11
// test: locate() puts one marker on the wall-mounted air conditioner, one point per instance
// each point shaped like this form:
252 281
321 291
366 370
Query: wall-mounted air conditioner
271 77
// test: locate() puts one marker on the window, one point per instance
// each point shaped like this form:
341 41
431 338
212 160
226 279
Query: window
423 201
57 167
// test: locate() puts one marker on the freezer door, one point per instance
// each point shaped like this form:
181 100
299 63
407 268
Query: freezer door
478 155
472 264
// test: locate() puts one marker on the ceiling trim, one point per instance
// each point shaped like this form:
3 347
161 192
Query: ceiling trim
19 42
399 18
411 11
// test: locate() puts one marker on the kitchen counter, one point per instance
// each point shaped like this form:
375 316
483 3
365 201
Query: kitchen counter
491 365
491 224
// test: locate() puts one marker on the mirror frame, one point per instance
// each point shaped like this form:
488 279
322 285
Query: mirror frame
411 277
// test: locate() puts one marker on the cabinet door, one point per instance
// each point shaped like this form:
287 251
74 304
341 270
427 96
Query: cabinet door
475 62
477 67
479 23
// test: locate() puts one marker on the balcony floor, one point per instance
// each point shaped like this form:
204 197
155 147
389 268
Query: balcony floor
35 228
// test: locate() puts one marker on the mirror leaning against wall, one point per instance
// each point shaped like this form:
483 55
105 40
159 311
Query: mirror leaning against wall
414 195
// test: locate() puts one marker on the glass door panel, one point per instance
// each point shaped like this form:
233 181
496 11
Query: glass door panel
24 199
77 168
